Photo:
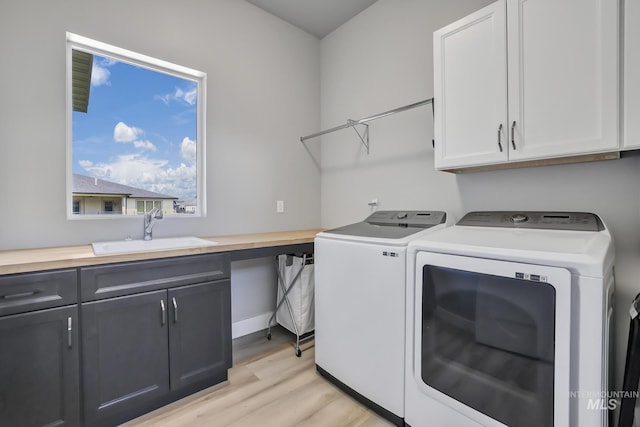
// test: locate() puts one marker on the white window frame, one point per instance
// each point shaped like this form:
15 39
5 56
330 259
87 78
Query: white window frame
84 44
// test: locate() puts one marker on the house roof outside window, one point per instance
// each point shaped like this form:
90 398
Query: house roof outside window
86 185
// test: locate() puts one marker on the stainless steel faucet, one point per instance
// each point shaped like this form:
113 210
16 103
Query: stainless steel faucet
150 219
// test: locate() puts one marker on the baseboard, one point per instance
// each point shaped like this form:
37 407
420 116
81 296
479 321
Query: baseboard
249 326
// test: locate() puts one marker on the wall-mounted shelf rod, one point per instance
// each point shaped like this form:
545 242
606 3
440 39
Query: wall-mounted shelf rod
352 123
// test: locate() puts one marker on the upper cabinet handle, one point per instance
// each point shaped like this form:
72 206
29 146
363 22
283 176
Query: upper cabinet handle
513 140
175 310
500 137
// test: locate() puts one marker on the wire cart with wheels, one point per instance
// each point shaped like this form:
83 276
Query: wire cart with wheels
295 300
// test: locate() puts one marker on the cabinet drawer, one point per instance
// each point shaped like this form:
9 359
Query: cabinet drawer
114 280
21 293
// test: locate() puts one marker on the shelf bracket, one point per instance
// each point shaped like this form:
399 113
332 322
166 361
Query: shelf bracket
364 137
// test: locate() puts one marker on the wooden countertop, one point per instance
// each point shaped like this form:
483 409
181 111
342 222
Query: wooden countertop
26 260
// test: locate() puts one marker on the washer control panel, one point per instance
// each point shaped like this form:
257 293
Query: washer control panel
518 218
421 219
580 221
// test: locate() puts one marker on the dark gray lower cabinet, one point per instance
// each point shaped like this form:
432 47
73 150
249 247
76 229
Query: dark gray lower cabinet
143 350
199 333
126 363
39 368
39 349
147 333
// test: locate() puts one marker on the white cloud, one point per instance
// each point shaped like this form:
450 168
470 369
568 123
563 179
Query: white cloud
100 76
188 149
179 181
189 97
100 73
108 62
145 145
150 174
164 98
124 133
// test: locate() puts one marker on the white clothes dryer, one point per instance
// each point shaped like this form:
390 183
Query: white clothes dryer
509 322
360 280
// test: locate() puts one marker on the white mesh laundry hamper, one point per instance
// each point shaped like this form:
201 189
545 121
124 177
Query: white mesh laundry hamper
300 295
294 309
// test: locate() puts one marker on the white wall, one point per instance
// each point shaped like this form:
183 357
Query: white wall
382 59
263 93
252 301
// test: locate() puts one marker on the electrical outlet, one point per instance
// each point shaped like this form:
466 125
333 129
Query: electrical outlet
280 206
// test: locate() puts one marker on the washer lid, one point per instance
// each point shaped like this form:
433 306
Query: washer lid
392 224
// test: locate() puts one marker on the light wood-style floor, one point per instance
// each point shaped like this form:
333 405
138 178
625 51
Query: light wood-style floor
268 386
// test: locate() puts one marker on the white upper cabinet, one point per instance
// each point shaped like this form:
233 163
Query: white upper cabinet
470 92
631 92
561 77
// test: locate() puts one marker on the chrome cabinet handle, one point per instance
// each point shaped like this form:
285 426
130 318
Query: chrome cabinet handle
175 310
70 330
500 137
513 141
163 316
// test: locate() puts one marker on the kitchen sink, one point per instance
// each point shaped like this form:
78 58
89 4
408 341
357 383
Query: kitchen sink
130 246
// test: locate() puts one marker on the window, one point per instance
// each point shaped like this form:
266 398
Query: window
143 206
135 132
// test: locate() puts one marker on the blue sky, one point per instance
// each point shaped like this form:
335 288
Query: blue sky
140 129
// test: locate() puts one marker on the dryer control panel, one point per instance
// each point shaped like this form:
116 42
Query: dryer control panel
580 221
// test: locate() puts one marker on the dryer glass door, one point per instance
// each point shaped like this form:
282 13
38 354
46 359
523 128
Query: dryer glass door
494 337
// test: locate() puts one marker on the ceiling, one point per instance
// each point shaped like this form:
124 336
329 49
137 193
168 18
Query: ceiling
317 17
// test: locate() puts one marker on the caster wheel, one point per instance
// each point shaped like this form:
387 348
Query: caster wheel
269 337
298 352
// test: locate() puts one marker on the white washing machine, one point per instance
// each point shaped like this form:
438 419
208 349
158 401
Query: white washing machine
360 277
509 322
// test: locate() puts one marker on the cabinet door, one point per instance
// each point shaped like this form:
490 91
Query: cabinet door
200 333
125 356
470 89
39 368
631 91
563 77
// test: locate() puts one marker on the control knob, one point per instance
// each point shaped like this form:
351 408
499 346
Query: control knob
518 218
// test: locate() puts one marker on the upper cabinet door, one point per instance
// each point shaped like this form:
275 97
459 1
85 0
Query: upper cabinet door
631 92
563 77
470 75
